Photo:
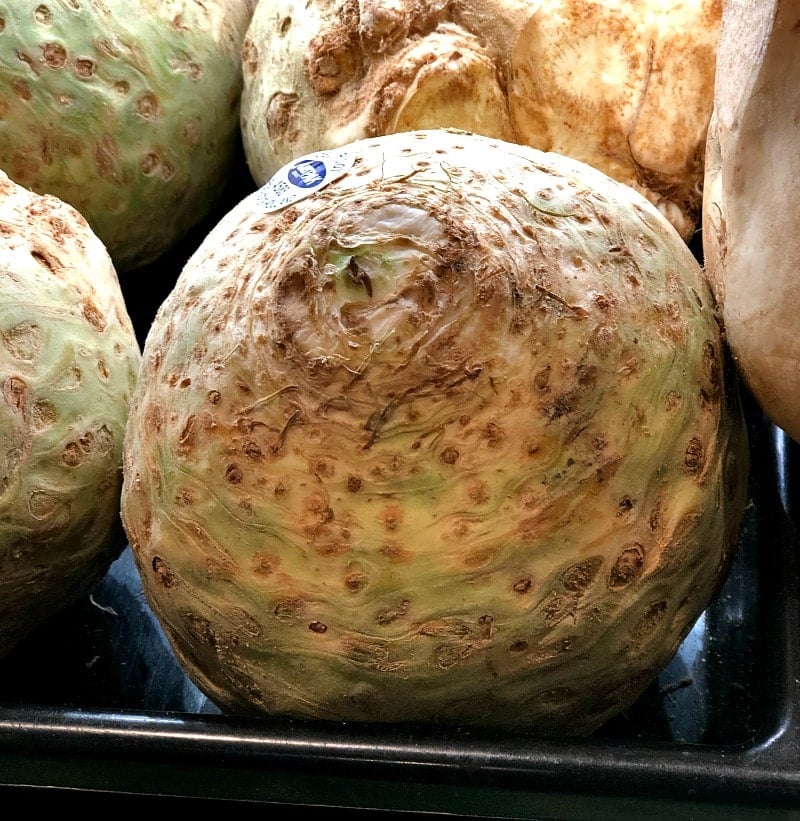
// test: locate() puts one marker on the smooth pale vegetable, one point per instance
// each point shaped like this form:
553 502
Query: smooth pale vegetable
129 111
751 214
68 362
626 87
449 439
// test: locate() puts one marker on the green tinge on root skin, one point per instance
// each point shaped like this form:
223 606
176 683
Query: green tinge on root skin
416 449
69 361
116 111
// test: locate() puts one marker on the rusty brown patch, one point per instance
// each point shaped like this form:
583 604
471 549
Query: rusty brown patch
281 117
264 564
186 436
652 617
71 456
106 157
84 68
449 455
15 393
394 552
391 613
289 608
233 474
391 517
54 55
93 315
164 576
522 585
334 56
628 567
580 575
355 581
147 106
694 455
478 492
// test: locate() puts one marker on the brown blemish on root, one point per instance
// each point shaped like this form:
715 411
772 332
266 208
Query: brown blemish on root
395 553
233 474
147 106
186 436
84 68
71 456
41 14
106 156
21 89
694 455
478 492
580 575
264 564
46 260
652 617
54 55
149 164
334 56
288 609
355 580
628 567
23 341
709 393
624 505
281 117
164 576
449 455
43 415
391 613
522 585
186 497
94 315
15 393
391 517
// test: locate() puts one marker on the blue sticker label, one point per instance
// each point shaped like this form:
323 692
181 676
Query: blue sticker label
303 176
307 173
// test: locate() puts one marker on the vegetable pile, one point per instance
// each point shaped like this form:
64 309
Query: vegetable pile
440 422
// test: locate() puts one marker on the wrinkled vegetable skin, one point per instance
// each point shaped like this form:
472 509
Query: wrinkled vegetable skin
126 109
626 87
450 440
68 362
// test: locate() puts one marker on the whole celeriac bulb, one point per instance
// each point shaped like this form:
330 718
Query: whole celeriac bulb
626 87
68 362
435 428
129 111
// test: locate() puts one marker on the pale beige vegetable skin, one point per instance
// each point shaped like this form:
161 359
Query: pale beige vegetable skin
451 439
626 87
751 212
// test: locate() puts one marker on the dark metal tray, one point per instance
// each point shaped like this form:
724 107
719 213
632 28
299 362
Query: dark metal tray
94 705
